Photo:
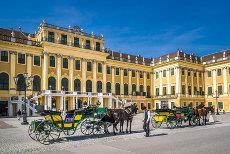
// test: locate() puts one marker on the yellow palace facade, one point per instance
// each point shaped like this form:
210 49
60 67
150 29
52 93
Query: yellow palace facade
72 68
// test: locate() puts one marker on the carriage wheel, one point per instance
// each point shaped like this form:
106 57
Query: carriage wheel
55 132
156 124
32 132
98 128
87 127
171 124
43 129
70 131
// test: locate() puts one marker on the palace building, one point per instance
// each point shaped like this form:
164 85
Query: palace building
72 68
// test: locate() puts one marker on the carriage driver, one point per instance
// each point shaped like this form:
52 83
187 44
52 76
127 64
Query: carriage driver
146 120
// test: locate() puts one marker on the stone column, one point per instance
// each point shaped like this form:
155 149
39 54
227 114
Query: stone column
214 80
225 92
44 71
186 82
104 77
59 66
130 81
122 81
144 85
161 84
12 72
83 71
152 84
192 83
71 70
168 81
113 80
138 81
178 80
28 70
94 90
198 84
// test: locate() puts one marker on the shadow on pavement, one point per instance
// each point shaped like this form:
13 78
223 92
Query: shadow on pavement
96 136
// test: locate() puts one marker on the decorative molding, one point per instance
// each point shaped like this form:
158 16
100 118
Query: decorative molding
13 52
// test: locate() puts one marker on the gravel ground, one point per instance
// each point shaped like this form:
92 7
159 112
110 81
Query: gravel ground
17 140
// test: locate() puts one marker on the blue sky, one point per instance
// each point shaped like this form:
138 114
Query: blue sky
149 28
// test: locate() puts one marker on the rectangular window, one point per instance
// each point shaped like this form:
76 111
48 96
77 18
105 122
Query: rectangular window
172 71
209 73
164 73
64 39
4 56
201 91
173 90
220 92
117 71
89 66
51 37
108 69
164 91
99 68
141 74
133 73
125 72
209 90
189 72
52 61
77 64
157 75
87 44
189 90
76 42
200 74
218 72
98 46
209 104
195 91
183 89
37 60
157 91
148 76
182 71
220 105
194 74
21 58
65 63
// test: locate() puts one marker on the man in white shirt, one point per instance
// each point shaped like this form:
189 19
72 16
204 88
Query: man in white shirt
146 120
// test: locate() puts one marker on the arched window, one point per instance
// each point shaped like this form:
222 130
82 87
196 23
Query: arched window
52 83
126 89
77 85
117 89
64 84
37 83
88 86
99 86
133 88
4 81
108 87
21 84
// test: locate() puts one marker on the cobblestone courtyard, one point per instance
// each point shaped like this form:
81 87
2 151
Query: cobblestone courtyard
14 137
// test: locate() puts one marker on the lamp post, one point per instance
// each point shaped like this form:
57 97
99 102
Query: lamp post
217 107
28 82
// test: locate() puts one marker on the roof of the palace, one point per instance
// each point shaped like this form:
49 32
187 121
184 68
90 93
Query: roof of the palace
25 38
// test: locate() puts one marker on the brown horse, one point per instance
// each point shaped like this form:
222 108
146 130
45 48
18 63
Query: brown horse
116 116
201 112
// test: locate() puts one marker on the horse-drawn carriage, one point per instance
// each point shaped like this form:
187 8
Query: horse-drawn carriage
49 129
173 118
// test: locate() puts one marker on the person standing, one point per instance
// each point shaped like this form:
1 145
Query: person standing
146 120
19 113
